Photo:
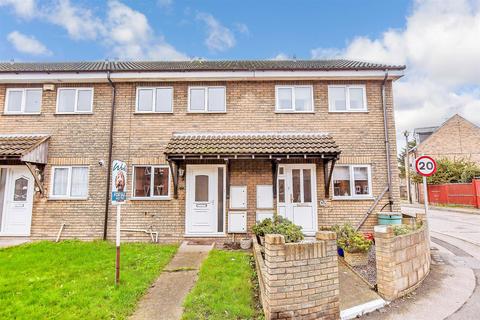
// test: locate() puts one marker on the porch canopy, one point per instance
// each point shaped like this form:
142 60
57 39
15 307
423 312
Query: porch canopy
30 150
273 146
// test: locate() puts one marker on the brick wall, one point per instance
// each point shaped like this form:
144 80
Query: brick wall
403 261
456 138
299 280
141 139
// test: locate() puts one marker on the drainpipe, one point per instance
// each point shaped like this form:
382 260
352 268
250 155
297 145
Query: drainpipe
387 142
110 152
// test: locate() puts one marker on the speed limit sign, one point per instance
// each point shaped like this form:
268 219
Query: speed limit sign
425 166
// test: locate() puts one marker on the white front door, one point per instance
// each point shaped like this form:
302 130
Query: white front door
16 187
204 200
297 195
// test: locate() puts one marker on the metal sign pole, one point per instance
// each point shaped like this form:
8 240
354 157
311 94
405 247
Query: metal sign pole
117 261
425 194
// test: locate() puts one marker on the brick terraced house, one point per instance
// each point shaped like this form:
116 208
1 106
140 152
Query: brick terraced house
211 146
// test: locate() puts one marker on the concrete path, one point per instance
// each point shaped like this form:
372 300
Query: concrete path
10 242
356 297
165 297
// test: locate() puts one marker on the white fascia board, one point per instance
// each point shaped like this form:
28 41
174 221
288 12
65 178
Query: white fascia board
53 77
64 77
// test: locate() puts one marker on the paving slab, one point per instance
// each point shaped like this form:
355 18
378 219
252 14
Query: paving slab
11 242
164 299
356 297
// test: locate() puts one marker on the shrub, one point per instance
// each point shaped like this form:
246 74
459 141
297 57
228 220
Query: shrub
279 225
451 171
401 229
350 240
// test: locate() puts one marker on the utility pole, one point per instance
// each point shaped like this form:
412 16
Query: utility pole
407 166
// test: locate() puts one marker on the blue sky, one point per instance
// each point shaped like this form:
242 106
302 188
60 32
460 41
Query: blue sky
438 40
261 29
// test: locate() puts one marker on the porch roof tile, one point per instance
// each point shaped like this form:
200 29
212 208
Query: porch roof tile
252 143
17 146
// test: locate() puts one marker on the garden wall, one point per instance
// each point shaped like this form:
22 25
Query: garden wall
299 280
403 261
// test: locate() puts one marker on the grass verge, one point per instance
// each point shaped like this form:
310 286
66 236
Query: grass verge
75 280
225 289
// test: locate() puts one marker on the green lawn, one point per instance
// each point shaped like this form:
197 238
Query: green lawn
75 280
225 288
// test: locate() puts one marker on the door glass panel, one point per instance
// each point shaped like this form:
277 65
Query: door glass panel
281 190
220 201
296 185
21 189
160 182
307 185
361 180
201 188
3 182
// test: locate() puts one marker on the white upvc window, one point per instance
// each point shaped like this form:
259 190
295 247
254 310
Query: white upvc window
347 98
69 182
294 98
75 100
207 99
151 182
352 182
154 100
23 101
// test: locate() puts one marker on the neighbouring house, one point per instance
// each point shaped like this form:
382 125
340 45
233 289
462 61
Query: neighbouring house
211 146
456 138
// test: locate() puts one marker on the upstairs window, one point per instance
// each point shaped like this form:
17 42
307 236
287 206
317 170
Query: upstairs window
23 101
70 182
75 100
347 98
151 182
294 98
206 99
151 100
352 181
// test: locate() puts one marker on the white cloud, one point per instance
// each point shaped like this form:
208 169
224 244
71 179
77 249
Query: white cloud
281 56
79 22
27 44
22 8
242 28
440 45
219 37
131 36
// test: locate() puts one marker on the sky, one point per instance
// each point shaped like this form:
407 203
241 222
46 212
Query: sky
438 40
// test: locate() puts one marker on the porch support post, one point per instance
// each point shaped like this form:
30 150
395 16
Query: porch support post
274 179
174 170
327 174
38 182
227 179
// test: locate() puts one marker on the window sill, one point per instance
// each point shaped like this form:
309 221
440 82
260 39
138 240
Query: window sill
71 113
366 198
348 111
152 112
294 112
206 112
150 198
68 198
22 114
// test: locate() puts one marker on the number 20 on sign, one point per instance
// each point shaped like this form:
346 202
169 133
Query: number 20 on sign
425 167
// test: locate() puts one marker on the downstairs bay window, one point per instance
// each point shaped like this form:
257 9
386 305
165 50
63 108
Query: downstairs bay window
151 182
352 182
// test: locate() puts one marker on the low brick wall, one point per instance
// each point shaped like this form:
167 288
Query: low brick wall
299 280
403 261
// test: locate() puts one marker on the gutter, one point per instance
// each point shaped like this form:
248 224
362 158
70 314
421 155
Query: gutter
387 142
110 153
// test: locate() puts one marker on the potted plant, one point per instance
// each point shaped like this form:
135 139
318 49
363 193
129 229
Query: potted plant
245 243
354 244
279 225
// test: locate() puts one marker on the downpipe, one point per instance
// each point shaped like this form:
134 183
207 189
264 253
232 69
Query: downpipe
110 153
387 141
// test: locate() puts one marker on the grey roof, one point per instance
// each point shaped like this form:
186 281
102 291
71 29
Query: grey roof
252 143
196 65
